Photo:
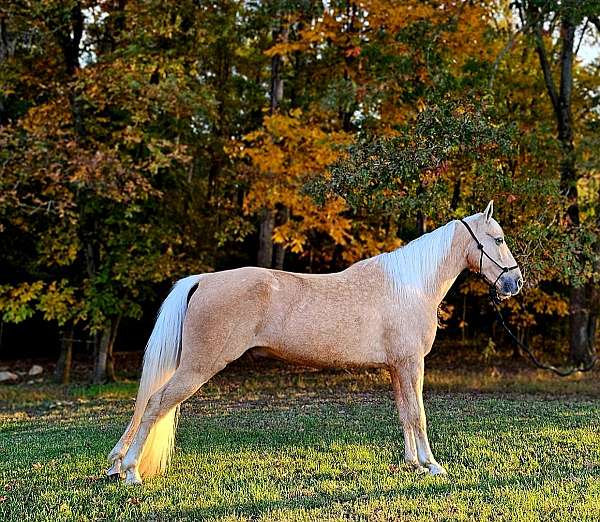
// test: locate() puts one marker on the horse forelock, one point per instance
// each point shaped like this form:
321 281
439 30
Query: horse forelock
415 266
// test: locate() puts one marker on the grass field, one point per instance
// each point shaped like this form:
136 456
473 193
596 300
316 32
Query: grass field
292 444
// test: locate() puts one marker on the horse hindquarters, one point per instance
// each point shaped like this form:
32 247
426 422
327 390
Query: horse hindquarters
220 325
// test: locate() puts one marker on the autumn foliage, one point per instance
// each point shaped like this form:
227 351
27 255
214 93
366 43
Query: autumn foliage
143 141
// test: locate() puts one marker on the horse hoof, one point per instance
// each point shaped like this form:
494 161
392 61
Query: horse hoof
114 472
132 478
436 469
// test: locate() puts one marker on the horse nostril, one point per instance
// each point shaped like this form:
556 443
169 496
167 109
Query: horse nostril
520 283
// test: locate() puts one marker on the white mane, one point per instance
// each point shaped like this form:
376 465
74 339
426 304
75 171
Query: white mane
414 266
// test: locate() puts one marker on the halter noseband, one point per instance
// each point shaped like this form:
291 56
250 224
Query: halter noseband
504 269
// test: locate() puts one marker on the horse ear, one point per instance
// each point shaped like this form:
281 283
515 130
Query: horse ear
489 210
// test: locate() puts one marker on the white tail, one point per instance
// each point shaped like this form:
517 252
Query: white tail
160 362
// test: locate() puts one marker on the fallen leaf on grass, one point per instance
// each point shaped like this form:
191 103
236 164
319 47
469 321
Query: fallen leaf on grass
37 465
133 500
92 478
3 498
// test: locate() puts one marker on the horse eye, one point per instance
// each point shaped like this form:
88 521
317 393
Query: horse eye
499 240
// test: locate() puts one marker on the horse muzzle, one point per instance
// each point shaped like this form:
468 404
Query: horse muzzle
507 286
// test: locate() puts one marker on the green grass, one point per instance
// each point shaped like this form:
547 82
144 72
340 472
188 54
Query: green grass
272 444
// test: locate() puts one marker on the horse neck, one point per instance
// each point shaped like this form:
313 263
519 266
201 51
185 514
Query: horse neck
428 266
454 263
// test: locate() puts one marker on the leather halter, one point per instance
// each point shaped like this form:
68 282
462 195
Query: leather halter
503 269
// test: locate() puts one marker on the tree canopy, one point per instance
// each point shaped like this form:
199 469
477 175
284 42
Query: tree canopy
143 141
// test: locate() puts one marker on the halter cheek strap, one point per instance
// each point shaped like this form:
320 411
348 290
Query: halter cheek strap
504 269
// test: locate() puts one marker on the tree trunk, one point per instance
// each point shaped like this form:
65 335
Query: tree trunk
101 356
580 327
593 294
62 372
580 342
7 49
346 111
582 320
276 79
279 35
421 216
105 346
593 290
267 217
456 194
282 216
265 239
421 223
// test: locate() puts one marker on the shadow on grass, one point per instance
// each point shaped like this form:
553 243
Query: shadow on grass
421 489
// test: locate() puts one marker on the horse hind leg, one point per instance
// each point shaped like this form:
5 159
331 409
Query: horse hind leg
115 457
118 452
138 460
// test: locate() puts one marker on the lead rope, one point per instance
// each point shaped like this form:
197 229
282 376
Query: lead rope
534 360
494 300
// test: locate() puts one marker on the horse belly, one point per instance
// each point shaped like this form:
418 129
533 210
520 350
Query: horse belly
322 336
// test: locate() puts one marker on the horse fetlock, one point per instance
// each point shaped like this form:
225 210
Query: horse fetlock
129 462
414 466
115 468
117 453
129 467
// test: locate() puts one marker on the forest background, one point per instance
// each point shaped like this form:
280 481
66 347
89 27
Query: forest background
141 141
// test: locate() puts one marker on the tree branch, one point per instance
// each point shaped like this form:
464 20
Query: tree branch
532 17
540 49
502 54
582 36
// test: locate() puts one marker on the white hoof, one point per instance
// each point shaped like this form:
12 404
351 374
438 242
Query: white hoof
115 469
436 469
132 478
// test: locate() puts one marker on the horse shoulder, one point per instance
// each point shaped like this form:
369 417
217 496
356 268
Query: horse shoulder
410 327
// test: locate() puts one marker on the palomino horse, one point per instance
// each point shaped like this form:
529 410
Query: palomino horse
380 312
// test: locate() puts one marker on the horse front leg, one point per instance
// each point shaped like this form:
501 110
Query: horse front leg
410 447
407 379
